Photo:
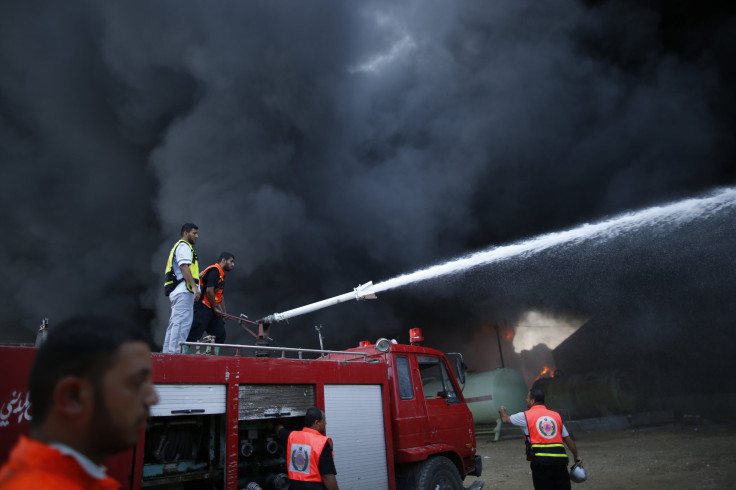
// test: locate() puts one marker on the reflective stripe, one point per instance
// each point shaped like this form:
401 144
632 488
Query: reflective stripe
545 434
537 448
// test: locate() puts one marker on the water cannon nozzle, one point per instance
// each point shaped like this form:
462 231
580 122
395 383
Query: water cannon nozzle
363 291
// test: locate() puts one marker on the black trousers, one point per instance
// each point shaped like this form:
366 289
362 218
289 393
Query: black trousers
550 476
206 320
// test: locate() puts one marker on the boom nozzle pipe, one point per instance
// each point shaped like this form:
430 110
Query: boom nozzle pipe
361 292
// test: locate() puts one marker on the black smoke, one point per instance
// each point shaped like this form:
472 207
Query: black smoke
330 143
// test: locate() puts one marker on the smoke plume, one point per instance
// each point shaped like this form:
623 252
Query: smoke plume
330 143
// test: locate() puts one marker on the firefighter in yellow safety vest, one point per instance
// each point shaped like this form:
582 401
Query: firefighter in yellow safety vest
181 285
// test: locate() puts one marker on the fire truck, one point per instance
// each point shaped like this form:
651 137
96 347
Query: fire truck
395 413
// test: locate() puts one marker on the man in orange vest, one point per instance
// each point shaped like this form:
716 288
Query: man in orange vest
206 311
90 392
309 458
544 433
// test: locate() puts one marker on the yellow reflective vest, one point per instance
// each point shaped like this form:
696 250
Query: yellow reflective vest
170 280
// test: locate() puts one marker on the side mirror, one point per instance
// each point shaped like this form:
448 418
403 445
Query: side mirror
461 368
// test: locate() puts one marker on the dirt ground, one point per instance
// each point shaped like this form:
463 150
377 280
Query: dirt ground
671 457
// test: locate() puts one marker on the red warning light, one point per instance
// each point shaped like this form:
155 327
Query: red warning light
415 336
364 343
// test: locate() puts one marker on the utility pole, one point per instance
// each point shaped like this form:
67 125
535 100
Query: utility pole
498 336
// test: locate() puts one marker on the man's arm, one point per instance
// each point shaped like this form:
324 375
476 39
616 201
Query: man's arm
504 416
283 434
221 306
327 467
330 482
190 280
573 449
210 292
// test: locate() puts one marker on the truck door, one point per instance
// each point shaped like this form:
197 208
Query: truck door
449 418
411 428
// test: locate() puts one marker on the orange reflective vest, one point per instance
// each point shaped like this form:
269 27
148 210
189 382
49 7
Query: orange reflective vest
219 286
545 435
303 451
33 464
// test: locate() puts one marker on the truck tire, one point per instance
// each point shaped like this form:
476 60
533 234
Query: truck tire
439 473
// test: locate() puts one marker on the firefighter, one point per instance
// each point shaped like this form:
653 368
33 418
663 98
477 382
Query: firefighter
544 434
90 392
211 303
181 285
309 457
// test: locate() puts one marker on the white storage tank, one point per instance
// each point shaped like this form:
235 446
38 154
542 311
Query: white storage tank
485 392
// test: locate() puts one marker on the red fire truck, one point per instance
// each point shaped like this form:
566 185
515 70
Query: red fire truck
395 413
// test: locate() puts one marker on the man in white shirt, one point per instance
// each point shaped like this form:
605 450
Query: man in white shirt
181 285
546 437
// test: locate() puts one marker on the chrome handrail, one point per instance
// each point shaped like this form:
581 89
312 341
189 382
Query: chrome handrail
283 350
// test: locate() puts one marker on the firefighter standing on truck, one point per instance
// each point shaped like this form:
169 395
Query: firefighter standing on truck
181 285
309 458
206 317
544 434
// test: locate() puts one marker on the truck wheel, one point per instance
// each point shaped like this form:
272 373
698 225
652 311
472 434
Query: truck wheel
439 473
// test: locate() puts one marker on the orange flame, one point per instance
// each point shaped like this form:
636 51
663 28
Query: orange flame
545 371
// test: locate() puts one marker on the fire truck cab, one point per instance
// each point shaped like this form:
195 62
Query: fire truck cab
395 414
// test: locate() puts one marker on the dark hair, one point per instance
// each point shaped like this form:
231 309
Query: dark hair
187 227
83 346
537 395
313 415
225 256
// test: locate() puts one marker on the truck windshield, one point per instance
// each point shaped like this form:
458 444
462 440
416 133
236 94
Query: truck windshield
436 380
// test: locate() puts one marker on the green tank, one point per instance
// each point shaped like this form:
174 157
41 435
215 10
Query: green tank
485 392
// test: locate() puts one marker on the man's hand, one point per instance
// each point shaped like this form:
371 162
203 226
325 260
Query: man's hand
187 274
504 416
